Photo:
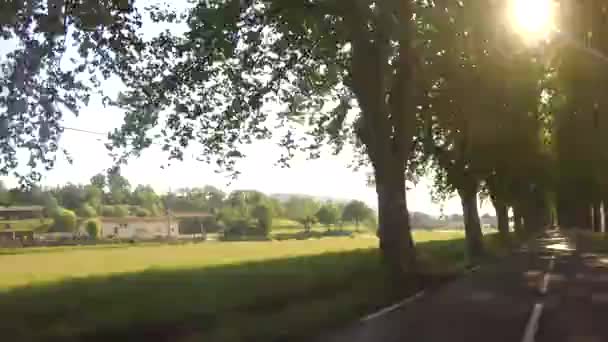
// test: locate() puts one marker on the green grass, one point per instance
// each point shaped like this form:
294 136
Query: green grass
242 291
283 223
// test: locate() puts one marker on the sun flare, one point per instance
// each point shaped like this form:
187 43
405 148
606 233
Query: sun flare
533 19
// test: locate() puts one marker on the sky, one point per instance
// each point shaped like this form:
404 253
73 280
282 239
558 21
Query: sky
328 176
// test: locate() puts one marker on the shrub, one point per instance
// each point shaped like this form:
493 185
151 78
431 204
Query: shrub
92 228
307 222
51 207
263 215
156 210
239 227
115 211
64 221
142 212
121 211
87 211
107 210
211 224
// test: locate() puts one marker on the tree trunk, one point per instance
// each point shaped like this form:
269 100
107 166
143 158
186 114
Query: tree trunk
500 206
535 211
472 226
517 219
530 223
582 212
597 216
502 214
387 126
396 243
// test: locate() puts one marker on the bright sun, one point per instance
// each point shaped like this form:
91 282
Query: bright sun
533 19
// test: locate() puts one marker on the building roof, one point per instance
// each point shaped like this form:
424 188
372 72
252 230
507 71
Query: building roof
131 219
22 208
186 214
16 231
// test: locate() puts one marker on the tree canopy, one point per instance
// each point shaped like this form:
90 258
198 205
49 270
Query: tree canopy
357 212
438 87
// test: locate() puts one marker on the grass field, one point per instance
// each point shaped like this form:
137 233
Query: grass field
253 291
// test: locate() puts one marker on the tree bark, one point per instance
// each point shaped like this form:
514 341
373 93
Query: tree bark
530 222
517 219
597 216
500 206
396 243
387 125
472 225
502 214
583 215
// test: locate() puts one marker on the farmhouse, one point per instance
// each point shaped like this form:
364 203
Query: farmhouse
21 212
138 227
16 234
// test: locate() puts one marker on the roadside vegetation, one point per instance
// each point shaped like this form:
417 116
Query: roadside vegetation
213 292
413 89
238 215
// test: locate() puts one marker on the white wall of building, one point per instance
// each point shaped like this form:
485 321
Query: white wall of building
134 228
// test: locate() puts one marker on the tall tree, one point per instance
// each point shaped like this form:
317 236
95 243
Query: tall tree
356 212
146 197
322 58
93 196
214 198
474 139
5 196
71 196
99 181
328 215
119 188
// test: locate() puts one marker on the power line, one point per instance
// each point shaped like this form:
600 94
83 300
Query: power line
85 131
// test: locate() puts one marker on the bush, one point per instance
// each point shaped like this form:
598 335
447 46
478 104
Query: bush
115 211
192 225
64 221
211 224
239 227
156 210
51 207
107 210
87 211
263 215
93 229
121 211
142 212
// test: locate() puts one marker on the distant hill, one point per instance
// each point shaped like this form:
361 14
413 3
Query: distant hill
418 220
426 221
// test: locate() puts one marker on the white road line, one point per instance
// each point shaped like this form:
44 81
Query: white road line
547 278
545 285
392 307
532 326
474 269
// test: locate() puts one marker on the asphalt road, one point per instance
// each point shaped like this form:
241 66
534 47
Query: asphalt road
552 290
